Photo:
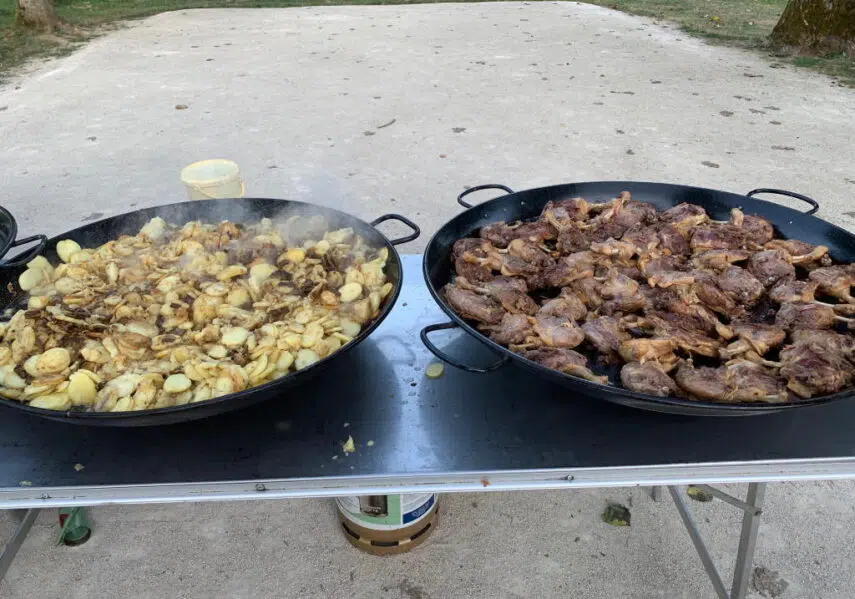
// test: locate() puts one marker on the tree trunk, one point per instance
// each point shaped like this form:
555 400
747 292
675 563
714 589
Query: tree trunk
817 26
37 14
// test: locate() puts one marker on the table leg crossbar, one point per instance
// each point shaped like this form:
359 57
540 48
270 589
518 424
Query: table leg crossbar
752 508
25 523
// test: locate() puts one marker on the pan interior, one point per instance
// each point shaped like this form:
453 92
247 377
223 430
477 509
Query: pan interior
528 204
238 210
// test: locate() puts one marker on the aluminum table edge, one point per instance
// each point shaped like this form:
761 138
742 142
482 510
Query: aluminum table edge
434 482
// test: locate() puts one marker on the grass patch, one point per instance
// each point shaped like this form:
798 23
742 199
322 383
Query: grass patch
740 23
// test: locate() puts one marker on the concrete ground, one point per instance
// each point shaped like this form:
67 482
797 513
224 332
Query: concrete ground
378 109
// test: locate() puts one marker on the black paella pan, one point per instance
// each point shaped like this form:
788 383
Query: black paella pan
525 205
238 210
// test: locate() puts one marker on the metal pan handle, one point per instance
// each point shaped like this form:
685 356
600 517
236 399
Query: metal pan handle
481 188
414 235
29 254
791 194
448 359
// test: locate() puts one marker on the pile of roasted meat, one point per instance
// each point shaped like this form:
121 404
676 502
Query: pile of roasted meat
685 305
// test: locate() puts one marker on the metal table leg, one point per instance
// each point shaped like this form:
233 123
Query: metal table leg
655 493
697 540
753 508
748 540
13 544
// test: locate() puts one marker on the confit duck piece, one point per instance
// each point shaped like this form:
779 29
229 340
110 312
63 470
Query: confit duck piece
555 331
715 236
472 305
758 230
719 260
684 216
513 329
606 334
835 281
510 292
753 337
653 349
563 360
813 369
742 381
622 294
648 378
501 234
688 333
567 305
741 285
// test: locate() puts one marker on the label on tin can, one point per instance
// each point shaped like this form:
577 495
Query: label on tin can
386 512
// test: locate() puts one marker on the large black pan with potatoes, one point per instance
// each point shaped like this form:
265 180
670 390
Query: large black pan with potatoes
662 297
183 311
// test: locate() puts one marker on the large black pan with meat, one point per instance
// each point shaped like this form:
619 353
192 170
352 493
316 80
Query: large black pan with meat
527 206
239 211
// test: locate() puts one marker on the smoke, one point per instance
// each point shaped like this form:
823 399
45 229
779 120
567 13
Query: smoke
320 188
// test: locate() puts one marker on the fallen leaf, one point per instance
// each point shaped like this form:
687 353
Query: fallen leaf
348 446
616 514
698 494
768 582
79 467
181 107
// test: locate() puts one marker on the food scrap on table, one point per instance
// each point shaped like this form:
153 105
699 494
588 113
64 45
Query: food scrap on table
435 370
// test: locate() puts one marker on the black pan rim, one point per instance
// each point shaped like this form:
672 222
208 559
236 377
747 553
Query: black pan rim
5 244
595 388
82 416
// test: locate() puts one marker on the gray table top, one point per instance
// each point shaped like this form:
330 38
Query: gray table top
503 430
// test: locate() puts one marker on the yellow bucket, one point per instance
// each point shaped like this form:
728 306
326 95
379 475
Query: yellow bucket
217 178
